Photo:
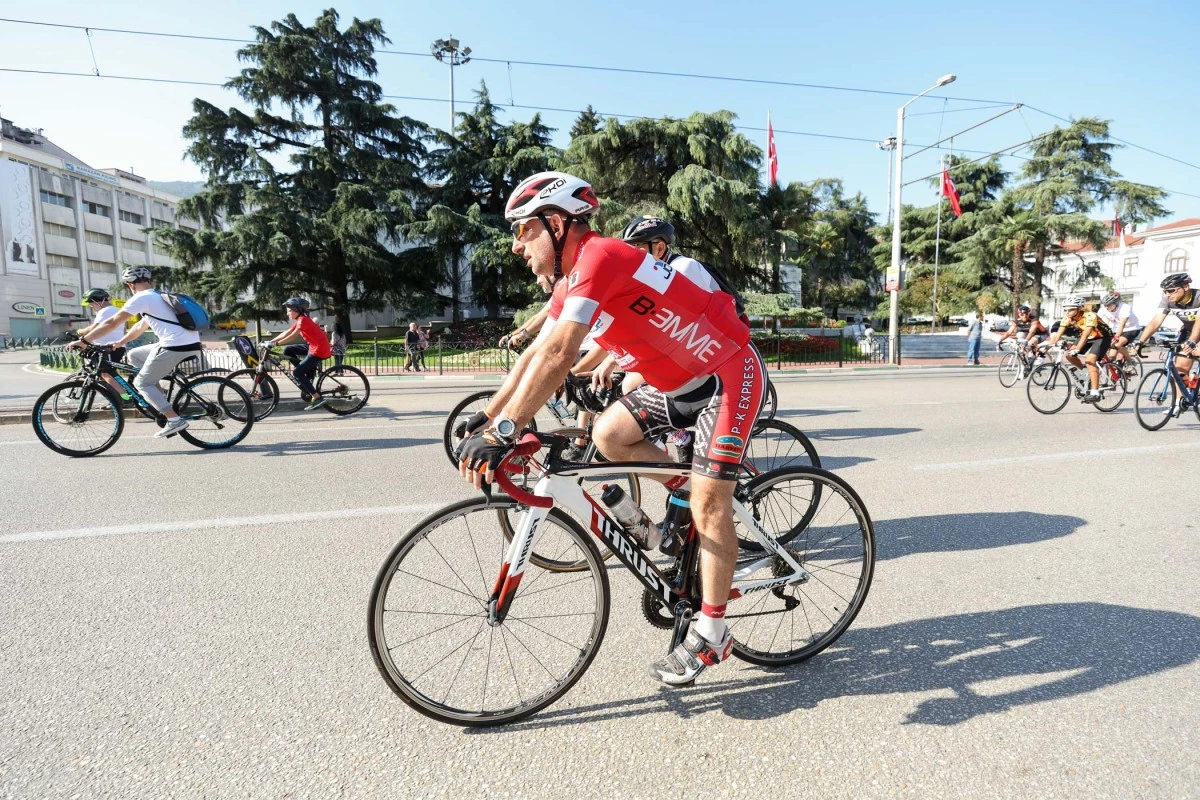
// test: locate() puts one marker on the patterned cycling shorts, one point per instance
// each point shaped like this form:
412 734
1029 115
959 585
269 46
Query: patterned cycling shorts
723 409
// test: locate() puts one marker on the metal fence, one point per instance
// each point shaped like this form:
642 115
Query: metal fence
448 357
25 343
833 348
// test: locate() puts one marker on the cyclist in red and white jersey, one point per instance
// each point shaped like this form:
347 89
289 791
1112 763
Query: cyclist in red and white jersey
686 341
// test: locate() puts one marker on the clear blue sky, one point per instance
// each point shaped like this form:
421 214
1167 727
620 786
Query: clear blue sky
1136 67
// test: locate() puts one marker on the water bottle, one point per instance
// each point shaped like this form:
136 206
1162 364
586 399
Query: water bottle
1192 380
559 408
677 523
631 516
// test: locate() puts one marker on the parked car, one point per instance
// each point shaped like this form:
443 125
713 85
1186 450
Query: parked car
1165 338
231 325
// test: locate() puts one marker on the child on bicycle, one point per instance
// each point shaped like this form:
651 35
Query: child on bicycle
305 358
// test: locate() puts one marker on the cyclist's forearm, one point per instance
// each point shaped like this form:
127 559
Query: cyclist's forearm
506 390
546 371
590 361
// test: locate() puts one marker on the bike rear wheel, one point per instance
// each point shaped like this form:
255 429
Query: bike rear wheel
770 402
77 419
262 389
834 544
544 419
1115 390
1154 403
428 617
219 412
345 389
1049 388
774 444
1010 370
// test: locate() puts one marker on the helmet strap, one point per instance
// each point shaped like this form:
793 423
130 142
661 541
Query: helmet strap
560 244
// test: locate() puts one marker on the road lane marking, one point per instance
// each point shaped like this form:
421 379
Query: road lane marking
999 462
225 522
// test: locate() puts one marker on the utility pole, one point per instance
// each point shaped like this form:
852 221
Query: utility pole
888 145
447 51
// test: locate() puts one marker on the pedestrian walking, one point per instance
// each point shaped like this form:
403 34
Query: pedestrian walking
974 337
412 348
337 342
422 346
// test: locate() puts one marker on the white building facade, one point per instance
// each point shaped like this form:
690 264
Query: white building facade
1135 267
64 228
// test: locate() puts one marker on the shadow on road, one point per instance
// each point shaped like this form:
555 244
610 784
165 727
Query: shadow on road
813 412
977 664
295 448
948 533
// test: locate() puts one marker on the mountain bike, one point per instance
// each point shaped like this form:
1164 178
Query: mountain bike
345 388
1164 393
467 629
82 416
1051 385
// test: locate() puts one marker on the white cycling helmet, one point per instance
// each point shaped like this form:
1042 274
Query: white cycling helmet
551 191
1074 301
135 274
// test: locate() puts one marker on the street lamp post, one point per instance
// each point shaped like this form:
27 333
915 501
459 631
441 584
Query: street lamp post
448 52
888 145
893 274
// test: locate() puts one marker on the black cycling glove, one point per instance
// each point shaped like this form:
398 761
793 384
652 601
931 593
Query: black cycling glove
484 449
477 421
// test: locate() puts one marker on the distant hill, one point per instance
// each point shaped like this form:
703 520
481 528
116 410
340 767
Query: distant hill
178 188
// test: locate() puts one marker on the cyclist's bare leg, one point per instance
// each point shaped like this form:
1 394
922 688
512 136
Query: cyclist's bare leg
1093 371
712 512
618 437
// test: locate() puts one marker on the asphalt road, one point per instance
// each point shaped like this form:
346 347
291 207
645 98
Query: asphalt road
193 624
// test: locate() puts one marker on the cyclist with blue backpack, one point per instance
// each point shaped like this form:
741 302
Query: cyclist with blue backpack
178 340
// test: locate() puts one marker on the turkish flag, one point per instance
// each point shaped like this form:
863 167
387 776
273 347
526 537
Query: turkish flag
772 156
949 191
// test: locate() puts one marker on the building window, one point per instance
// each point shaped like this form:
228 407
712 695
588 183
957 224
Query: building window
1130 267
161 223
102 266
55 260
99 238
55 199
1176 261
97 209
54 229
132 244
129 216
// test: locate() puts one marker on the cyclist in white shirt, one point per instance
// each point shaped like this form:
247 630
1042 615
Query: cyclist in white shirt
156 361
1121 319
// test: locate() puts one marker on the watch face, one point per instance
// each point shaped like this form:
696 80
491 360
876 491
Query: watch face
506 427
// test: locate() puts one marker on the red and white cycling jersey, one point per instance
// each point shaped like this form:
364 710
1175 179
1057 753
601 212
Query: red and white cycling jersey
647 314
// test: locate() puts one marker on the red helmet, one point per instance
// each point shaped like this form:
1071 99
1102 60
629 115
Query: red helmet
551 191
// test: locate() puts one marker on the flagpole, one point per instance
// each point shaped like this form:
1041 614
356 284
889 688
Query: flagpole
937 245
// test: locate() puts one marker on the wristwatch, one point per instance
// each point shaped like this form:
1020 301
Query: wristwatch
505 429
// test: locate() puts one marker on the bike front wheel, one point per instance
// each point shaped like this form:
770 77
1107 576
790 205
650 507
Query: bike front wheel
1049 389
770 402
1010 370
219 412
262 389
1114 393
835 546
77 419
1154 403
345 389
428 617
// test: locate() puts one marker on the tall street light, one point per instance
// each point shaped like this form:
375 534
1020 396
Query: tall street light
893 273
447 51
888 145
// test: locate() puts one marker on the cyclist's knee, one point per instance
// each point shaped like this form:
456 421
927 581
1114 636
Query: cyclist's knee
615 428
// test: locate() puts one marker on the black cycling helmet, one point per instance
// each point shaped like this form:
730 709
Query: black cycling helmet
1024 310
95 296
296 303
648 229
1177 281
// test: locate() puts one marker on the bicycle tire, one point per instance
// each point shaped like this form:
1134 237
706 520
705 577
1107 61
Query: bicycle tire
774 444
431 583
1049 389
86 397
263 391
837 550
770 402
1010 370
466 408
1154 403
1116 390
338 385
228 401
1133 367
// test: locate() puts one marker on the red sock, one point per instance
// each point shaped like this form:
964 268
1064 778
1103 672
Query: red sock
714 612
678 482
